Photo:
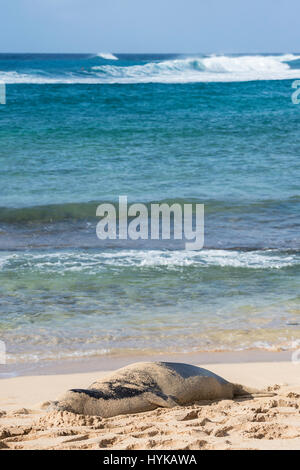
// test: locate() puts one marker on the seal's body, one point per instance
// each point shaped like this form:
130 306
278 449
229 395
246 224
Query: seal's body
145 386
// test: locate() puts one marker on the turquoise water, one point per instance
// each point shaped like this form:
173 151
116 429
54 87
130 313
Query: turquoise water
79 130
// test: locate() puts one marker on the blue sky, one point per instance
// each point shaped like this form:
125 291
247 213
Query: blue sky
150 26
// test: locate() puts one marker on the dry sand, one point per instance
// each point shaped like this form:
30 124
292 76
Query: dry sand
259 423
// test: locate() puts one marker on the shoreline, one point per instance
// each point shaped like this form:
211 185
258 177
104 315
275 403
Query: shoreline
107 363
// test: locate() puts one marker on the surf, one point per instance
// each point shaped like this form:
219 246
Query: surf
182 69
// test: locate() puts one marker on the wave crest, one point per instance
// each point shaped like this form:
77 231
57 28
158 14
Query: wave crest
107 56
213 68
95 262
181 70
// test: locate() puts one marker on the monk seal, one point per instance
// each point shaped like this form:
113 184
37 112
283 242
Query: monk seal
144 386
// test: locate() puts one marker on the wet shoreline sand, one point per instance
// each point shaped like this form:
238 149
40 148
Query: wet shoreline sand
111 362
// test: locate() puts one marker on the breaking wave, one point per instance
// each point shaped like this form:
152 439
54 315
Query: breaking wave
107 56
95 262
180 70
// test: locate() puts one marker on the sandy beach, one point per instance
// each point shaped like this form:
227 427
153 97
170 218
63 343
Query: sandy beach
258 423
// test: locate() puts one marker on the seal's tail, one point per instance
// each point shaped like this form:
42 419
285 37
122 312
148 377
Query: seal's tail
242 391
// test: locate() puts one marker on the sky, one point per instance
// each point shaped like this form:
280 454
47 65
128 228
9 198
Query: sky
208 26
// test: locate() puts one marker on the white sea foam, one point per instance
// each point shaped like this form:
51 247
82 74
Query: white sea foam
182 70
205 69
52 355
95 262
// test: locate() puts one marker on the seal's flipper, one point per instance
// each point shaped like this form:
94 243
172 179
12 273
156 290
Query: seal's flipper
161 400
241 391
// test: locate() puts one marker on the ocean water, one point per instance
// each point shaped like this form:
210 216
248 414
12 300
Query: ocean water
79 130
